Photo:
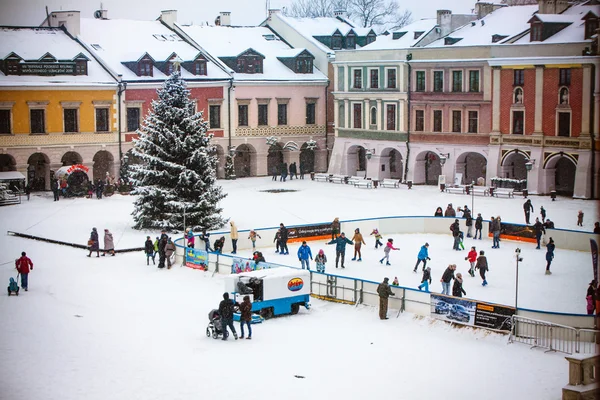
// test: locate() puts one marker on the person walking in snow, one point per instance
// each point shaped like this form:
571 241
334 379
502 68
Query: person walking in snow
283 237
384 291
422 256
284 172
252 236
472 258
302 169
109 244
340 248
149 250
527 208
304 254
457 288
156 245
549 255
378 238
93 243
246 317
320 261
24 265
233 234
543 213
478 226
389 246
226 310
450 212
455 228
539 229
469 221
358 242
447 277
162 244
335 228
169 251
580 218
482 266
426 279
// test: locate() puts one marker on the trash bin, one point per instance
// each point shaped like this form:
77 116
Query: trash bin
375 183
468 189
553 195
442 187
409 183
492 191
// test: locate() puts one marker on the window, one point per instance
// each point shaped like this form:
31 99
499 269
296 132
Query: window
215 116
564 124
249 65
310 113
357 107
145 68
456 121
391 78
37 119
457 81
281 114
336 41
5 122
351 41
564 77
391 117
133 119
437 120
536 32
81 67
518 122
438 81
357 79
591 24
243 115
373 116
199 67
419 120
519 77
374 78
473 81
420 87
70 118
304 65
263 114
102 119
473 121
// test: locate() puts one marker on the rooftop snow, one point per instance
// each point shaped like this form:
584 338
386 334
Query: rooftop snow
33 43
128 40
407 40
226 41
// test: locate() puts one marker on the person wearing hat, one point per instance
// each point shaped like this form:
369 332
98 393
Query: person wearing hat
549 255
340 247
149 250
384 291
469 221
422 256
478 226
426 279
455 228
449 211
457 288
389 246
590 297
226 310
93 243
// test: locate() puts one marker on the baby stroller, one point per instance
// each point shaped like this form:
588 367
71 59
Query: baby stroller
215 328
13 287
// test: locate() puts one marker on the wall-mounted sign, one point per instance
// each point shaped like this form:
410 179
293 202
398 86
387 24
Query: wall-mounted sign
61 68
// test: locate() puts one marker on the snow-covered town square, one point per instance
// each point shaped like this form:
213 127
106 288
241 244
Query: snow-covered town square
300 199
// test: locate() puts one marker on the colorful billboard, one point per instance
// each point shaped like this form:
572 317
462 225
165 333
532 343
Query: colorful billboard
196 259
471 312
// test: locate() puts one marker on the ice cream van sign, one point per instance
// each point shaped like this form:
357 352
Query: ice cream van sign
295 284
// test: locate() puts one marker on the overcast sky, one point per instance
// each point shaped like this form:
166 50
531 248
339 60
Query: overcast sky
243 12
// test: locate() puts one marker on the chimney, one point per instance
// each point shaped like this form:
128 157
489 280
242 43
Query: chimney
483 9
71 20
169 17
444 21
552 6
225 18
339 13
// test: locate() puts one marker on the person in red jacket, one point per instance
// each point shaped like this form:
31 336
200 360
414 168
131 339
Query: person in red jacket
24 265
472 258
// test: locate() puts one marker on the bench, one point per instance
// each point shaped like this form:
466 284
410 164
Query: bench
390 182
322 177
337 179
504 192
482 191
364 183
353 179
459 190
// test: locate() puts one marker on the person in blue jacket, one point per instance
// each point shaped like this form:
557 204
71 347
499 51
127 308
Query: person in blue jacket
422 256
549 255
340 247
303 255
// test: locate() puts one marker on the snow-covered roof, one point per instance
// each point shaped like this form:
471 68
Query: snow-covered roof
228 41
118 41
407 36
31 44
11 176
505 22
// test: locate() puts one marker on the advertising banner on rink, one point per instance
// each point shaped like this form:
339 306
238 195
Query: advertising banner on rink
196 259
239 265
471 312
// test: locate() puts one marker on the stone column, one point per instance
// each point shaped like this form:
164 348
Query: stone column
347 122
539 100
379 115
496 100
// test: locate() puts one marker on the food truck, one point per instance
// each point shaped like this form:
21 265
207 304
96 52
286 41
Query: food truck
273 292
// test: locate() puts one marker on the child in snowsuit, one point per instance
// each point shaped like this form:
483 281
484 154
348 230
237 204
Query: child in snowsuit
395 282
457 289
580 218
149 250
378 238
426 280
472 258
482 266
252 236
320 260
386 251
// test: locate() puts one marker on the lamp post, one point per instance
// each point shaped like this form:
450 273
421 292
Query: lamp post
443 157
528 166
472 199
518 257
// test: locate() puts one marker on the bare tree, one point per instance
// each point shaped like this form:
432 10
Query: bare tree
310 9
400 20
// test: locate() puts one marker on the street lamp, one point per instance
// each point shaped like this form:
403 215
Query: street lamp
472 199
443 158
528 166
369 153
519 258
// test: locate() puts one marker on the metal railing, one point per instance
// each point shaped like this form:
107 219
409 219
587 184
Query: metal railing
553 337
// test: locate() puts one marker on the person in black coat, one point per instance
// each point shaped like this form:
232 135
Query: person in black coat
226 310
218 245
94 243
596 227
527 208
205 237
426 280
457 288
283 238
162 253
478 226
469 221
539 229
149 250
283 171
302 169
439 212
455 227
549 255
293 171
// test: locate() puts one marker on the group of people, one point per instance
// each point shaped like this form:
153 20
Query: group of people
226 311
163 246
94 243
282 171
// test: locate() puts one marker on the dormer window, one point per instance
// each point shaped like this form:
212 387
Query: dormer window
371 37
249 65
81 67
200 67
418 34
145 68
336 41
591 25
536 32
304 65
351 41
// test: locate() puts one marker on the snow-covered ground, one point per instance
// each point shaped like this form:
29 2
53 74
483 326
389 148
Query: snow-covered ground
114 328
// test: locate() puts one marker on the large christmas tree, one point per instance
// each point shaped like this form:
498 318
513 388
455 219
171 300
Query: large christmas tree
177 170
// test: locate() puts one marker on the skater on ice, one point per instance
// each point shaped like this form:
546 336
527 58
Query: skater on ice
320 261
549 255
495 229
233 234
358 242
205 237
335 228
478 226
539 229
340 248
457 288
543 213
283 237
439 212
472 258
252 236
378 238
384 291
389 246
447 277
218 245
482 266
527 208
426 279
304 254
455 228
423 256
